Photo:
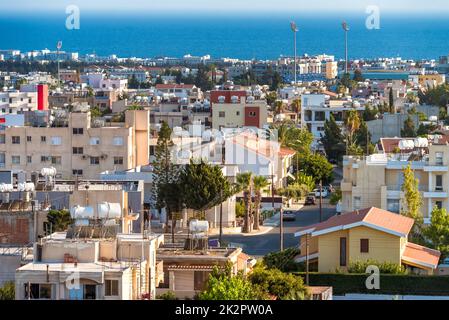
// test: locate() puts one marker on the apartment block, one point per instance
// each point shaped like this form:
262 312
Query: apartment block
241 112
81 148
376 180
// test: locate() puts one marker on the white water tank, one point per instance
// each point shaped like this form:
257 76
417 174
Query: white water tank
45 172
79 212
108 210
197 226
25 186
6 187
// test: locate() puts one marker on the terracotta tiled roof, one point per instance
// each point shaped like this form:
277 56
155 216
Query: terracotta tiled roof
374 218
389 144
193 267
419 255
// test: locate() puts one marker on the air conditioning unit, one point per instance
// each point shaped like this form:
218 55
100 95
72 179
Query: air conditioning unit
84 157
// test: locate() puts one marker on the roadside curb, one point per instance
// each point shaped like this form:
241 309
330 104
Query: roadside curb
257 233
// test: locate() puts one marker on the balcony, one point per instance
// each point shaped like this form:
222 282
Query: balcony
435 193
436 167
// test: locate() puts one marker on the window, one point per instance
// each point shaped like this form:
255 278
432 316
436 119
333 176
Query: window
2 139
320 129
94 160
342 252
117 141
37 291
56 160
56 141
364 245
29 138
44 158
78 131
15 139
118 160
90 292
357 203
439 158
439 204
200 279
77 172
15 159
111 288
43 139
221 114
439 183
152 150
252 113
29 159
94 141
237 113
393 205
77 150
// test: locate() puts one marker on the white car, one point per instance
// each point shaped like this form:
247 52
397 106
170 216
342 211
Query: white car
324 193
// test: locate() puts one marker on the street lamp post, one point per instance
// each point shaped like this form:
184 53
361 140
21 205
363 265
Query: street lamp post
295 30
346 29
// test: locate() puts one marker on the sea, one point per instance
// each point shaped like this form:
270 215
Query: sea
240 35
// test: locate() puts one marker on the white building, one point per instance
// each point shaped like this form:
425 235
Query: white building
13 102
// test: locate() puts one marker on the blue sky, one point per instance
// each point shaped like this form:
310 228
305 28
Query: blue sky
386 6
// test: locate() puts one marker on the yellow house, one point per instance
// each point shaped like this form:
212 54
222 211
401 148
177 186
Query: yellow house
367 234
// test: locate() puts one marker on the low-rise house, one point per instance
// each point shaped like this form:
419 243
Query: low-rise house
65 267
186 272
362 235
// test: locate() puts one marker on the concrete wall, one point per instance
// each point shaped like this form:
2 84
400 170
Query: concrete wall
389 126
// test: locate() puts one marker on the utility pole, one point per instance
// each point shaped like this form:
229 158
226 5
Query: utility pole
272 190
346 29
59 46
307 258
221 216
281 228
321 200
295 30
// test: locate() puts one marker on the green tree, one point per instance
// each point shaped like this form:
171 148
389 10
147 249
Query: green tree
204 186
259 184
370 113
244 183
59 220
223 285
284 286
271 97
409 128
363 139
7 292
391 101
315 165
358 76
303 179
333 140
437 233
412 201
240 209
352 124
284 260
336 196
278 107
166 177
294 191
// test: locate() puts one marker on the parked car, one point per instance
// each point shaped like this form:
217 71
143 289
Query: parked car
289 215
310 199
324 193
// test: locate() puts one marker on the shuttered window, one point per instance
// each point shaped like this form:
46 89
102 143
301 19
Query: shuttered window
364 245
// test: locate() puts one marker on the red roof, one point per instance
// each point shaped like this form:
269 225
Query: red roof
389 144
422 256
374 218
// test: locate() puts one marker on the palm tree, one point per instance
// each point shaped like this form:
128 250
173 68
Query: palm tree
352 125
278 107
259 183
296 107
244 183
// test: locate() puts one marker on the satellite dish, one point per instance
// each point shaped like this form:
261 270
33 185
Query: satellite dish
293 26
345 26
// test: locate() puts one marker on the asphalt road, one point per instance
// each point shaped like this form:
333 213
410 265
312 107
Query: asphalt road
260 245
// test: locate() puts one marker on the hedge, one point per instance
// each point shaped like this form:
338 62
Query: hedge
389 283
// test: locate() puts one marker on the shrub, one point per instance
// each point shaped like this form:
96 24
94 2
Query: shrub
7 292
284 286
239 209
169 295
284 261
384 267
